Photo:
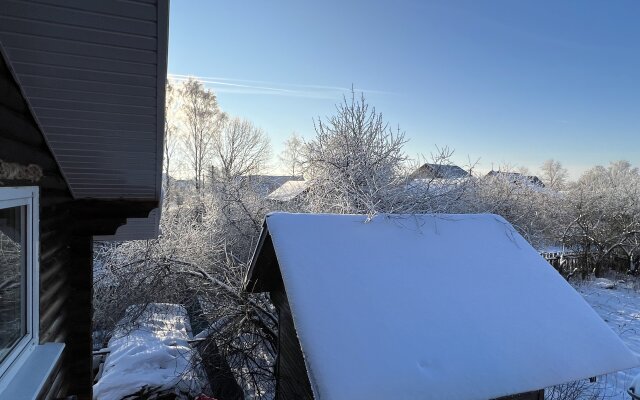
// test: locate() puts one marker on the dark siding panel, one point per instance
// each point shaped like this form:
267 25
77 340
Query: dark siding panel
12 40
123 8
90 96
87 74
42 103
95 62
52 82
76 17
94 70
69 32
291 373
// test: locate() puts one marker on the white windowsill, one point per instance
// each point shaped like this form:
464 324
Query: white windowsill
32 374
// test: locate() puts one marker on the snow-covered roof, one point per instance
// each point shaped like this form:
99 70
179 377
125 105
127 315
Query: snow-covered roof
289 191
441 171
396 307
265 184
517 178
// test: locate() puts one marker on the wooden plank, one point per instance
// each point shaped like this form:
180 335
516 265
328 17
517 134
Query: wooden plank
19 127
17 152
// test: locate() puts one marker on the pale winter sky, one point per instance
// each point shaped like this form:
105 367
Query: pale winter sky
506 82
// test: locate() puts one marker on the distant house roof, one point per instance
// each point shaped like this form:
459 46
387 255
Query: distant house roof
429 307
438 171
265 184
518 178
289 191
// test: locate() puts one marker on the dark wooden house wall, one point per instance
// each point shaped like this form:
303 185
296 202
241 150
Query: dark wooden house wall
22 142
67 227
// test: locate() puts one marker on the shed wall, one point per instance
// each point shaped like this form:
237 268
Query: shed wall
291 373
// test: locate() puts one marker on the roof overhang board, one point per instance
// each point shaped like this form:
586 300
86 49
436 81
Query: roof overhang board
263 274
94 74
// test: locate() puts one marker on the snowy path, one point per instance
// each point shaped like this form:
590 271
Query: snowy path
620 308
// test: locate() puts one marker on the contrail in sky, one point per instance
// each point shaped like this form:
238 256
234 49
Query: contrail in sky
247 86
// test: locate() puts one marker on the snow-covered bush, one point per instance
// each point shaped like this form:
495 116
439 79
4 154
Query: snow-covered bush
604 225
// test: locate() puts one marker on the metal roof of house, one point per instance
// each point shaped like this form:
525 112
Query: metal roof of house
94 73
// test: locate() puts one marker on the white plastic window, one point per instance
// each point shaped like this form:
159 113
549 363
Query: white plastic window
18 276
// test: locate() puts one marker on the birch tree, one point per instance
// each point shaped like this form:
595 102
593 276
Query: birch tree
291 155
170 133
202 119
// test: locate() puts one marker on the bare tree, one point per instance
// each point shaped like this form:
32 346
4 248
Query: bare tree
202 121
291 155
199 261
553 174
170 133
604 225
240 149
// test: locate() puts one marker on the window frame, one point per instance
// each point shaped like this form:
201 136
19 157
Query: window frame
16 197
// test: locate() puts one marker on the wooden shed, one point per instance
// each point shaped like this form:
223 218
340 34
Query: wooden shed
378 308
81 133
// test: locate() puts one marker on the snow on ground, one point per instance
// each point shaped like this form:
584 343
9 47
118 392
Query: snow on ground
153 352
618 303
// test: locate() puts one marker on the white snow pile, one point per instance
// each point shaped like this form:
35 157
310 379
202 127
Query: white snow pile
620 309
605 283
433 307
151 354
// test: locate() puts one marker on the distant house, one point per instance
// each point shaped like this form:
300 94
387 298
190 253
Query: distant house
439 171
289 191
82 86
265 184
420 307
517 178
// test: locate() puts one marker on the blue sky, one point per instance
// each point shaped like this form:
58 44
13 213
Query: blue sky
505 82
